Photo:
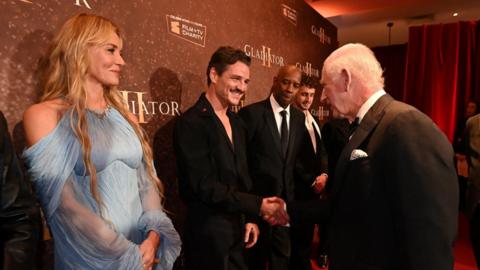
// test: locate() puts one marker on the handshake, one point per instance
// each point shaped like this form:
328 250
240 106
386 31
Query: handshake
274 211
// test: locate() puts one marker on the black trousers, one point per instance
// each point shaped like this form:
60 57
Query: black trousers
272 249
462 188
475 233
301 236
215 243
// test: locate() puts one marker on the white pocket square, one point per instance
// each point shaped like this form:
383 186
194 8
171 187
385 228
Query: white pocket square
357 153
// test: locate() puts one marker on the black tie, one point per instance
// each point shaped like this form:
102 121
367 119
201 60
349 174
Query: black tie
284 133
354 125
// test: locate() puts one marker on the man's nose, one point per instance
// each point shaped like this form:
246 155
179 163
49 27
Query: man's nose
242 86
291 87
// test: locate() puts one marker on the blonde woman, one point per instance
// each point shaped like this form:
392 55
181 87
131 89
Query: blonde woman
89 160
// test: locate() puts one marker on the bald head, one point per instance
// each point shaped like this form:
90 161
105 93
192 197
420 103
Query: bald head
286 84
288 69
350 75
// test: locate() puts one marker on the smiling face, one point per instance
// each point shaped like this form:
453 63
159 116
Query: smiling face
286 85
304 97
105 62
232 84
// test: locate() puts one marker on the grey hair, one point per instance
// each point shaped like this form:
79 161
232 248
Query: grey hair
360 61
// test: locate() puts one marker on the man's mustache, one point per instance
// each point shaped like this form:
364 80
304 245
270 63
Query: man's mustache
237 91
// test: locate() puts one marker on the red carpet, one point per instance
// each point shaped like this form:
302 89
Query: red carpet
464 259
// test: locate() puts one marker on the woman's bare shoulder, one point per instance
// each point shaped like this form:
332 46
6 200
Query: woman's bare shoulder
41 118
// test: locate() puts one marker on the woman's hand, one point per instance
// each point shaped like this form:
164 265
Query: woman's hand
148 249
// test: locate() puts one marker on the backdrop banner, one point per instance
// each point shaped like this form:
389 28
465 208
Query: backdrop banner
167 46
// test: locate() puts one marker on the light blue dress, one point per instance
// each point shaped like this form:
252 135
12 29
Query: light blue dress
131 204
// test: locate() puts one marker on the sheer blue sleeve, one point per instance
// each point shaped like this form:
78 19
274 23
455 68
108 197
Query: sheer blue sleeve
83 240
154 218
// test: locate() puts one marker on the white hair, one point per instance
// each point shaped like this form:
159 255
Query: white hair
360 61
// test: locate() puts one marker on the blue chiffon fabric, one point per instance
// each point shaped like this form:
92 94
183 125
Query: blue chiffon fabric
85 237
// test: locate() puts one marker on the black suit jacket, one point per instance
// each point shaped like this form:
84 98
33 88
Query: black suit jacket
395 208
271 173
310 164
335 135
19 214
212 173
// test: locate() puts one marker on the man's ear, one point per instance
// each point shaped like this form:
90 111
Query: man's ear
213 75
346 79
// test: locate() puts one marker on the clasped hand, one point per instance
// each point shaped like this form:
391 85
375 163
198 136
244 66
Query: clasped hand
273 211
320 183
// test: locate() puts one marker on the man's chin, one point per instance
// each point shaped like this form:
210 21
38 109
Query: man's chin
234 102
285 102
337 115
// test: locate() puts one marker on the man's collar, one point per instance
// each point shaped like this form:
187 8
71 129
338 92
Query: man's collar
369 103
206 108
276 107
307 113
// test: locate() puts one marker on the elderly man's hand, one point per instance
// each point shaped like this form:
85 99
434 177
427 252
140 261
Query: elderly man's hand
273 210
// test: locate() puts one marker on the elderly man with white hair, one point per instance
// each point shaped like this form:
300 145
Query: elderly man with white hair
395 196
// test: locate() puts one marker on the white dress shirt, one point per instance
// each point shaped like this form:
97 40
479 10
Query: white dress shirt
369 103
276 112
312 126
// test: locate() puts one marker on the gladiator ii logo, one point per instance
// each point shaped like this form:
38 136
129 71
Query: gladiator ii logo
264 54
140 106
85 3
79 3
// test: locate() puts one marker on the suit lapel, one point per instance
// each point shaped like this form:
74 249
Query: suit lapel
3 132
368 124
272 126
316 127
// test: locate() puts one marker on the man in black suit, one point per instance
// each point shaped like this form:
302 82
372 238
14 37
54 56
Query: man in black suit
209 143
19 214
335 134
275 132
471 143
314 158
395 194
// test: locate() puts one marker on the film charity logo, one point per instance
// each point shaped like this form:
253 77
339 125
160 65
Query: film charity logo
263 54
290 14
190 31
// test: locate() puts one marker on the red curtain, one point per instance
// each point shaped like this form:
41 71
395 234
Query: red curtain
443 70
392 58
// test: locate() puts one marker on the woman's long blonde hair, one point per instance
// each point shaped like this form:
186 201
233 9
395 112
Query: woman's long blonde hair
63 74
